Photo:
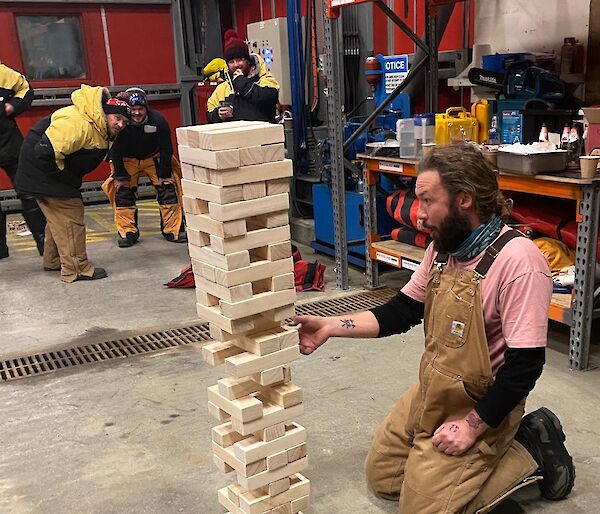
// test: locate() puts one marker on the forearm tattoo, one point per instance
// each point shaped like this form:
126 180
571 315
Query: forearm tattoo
474 420
348 323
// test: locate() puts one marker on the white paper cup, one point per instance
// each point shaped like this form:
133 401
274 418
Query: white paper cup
427 147
588 165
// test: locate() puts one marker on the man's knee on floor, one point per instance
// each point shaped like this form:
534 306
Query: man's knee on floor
382 477
125 197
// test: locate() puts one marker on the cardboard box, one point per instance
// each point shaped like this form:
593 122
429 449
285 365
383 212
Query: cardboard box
592 115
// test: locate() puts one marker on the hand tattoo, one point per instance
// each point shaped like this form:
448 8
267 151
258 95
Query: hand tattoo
474 421
453 428
348 323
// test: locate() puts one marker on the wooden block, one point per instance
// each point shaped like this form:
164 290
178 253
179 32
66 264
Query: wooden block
227 262
285 395
230 294
277 460
277 487
236 137
250 240
222 465
300 503
194 205
281 313
245 470
205 223
254 173
182 135
225 159
244 409
273 252
295 453
255 271
218 414
254 190
253 503
271 433
246 363
206 299
269 376
187 171
246 208
212 314
211 193
258 303
224 435
278 186
266 342
233 493
286 508
266 477
232 388
224 500
272 220
262 153
281 282
272 414
216 353
197 238
201 174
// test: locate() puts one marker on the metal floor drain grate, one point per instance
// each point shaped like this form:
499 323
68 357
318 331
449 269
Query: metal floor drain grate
42 363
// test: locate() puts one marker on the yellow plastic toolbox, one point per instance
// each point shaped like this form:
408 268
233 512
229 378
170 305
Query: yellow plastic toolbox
456 124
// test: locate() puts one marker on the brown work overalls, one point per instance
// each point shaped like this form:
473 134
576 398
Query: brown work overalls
455 372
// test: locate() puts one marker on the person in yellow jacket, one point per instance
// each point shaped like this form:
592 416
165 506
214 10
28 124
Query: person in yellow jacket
249 92
15 98
57 152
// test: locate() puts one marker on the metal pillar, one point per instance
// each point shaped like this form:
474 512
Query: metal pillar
431 77
336 133
585 262
370 199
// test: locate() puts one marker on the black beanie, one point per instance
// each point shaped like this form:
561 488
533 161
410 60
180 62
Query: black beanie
234 47
116 106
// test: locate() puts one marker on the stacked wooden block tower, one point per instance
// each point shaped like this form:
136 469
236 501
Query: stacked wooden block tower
235 187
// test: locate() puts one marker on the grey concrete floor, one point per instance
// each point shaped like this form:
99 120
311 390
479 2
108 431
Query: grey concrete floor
133 435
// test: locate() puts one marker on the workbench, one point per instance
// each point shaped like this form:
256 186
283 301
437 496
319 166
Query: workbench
575 310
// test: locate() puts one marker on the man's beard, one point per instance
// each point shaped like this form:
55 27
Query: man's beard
452 232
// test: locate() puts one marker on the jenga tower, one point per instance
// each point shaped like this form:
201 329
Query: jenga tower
235 196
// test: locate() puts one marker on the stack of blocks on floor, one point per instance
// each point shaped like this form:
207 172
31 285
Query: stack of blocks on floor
235 196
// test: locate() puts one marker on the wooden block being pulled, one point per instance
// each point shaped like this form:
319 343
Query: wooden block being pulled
266 342
230 294
231 261
194 205
244 409
258 303
281 313
253 503
269 376
212 193
224 159
254 190
212 314
254 173
257 270
277 487
205 223
246 363
250 240
197 238
215 412
216 353
278 186
224 435
273 252
272 414
272 220
262 153
266 477
224 138
246 208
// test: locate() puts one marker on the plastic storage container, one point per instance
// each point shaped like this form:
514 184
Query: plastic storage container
424 131
532 164
456 124
405 134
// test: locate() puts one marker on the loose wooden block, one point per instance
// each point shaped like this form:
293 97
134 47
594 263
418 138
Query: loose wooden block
221 465
225 159
216 353
244 409
257 270
252 239
278 186
278 486
212 314
246 363
277 460
205 223
246 208
187 171
215 412
272 414
226 138
194 205
273 252
258 303
300 503
267 342
262 153
295 453
254 190
271 433
271 220
197 238
254 173
266 477
269 376
227 262
211 193
252 503
224 435
229 294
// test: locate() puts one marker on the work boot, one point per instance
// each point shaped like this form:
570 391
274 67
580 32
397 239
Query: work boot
182 238
98 274
39 243
129 240
541 433
3 251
